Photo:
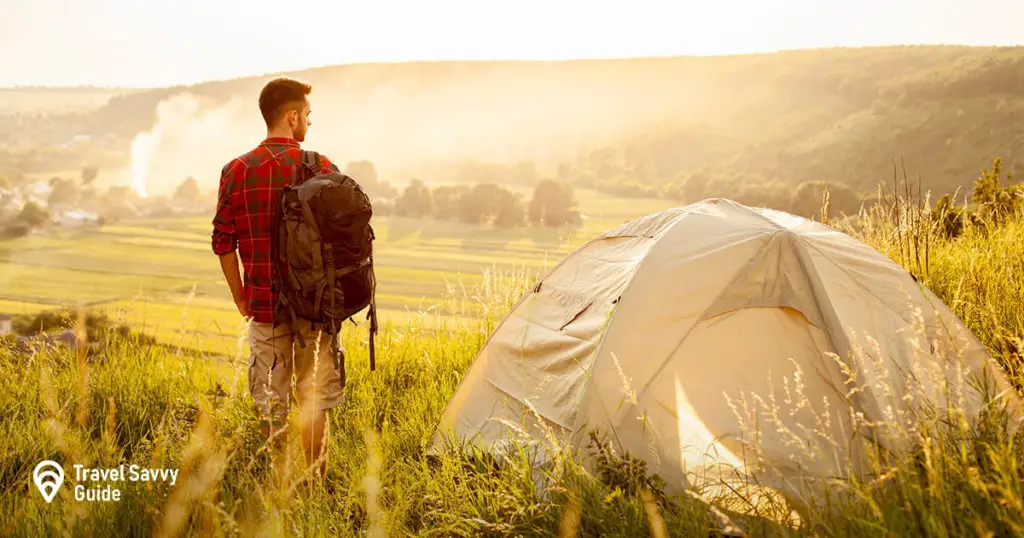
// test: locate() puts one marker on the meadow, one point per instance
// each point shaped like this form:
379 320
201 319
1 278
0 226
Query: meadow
161 276
160 408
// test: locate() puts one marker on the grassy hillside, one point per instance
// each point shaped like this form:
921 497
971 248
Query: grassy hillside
839 115
155 408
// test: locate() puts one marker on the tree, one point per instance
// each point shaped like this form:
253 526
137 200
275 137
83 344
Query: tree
33 215
565 172
383 208
160 206
552 204
643 169
446 200
809 197
691 187
585 179
87 195
994 203
187 191
526 172
771 195
89 174
604 163
16 229
122 192
415 201
62 191
479 203
483 203
365 173
628 187
510 212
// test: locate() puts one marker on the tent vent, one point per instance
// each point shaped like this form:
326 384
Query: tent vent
574 316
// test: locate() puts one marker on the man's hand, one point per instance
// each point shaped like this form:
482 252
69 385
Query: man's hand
243 307
232 274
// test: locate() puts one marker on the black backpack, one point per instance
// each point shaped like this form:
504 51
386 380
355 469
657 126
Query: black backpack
322 253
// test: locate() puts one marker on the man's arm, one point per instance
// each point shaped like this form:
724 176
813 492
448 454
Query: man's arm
326 164
233 276
224 239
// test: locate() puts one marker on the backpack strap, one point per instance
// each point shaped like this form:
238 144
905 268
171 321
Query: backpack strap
371 314
311 160
288 313
335 328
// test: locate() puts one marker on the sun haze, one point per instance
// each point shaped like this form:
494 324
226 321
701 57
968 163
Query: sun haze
163 42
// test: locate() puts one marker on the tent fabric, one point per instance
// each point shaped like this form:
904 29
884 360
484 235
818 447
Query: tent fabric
718 335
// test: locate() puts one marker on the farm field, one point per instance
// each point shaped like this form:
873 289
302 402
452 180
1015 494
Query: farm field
160 275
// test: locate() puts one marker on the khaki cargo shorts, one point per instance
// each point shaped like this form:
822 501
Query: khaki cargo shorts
275 355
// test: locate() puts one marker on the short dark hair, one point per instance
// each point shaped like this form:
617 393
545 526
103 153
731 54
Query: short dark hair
279 94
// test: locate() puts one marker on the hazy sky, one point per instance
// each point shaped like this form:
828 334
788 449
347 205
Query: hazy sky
162 42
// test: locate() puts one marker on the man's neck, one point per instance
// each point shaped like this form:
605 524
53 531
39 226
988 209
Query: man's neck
271 133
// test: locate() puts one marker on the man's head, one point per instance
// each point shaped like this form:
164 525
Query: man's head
285 107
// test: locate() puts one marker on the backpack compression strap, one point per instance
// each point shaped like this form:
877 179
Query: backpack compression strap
371 314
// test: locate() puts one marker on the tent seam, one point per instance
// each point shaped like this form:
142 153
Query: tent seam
611 319
739 273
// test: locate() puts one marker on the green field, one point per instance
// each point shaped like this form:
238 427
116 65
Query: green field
161 276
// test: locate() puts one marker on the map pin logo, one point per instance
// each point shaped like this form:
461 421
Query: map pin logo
48 476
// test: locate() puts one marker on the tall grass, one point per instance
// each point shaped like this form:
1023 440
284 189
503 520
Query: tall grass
151 406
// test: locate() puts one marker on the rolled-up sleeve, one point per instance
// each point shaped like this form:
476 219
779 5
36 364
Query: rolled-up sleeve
224 238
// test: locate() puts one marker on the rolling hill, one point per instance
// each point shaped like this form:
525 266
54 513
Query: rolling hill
838 115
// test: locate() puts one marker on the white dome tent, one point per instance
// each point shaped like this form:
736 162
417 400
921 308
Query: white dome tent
668 330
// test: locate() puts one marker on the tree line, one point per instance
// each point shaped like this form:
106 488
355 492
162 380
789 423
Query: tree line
490 200
552 203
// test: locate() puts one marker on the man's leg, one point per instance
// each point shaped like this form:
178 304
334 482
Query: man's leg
315 433
270 372
320 384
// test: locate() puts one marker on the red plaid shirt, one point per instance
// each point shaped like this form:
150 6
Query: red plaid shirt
250 187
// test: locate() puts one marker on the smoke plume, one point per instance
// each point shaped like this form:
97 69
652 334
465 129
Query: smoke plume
193 137
142 147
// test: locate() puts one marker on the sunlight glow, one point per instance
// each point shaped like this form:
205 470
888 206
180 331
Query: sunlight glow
120 42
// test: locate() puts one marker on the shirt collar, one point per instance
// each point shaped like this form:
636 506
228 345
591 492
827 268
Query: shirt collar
280 141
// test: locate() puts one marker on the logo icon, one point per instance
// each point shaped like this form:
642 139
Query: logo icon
48 476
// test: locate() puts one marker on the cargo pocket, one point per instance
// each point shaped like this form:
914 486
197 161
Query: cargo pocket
261 367
259 388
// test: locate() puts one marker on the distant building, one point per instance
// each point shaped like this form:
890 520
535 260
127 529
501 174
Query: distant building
78 218
38 188
37 192
10 204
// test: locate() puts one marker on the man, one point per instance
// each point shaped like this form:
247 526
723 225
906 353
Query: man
250 187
